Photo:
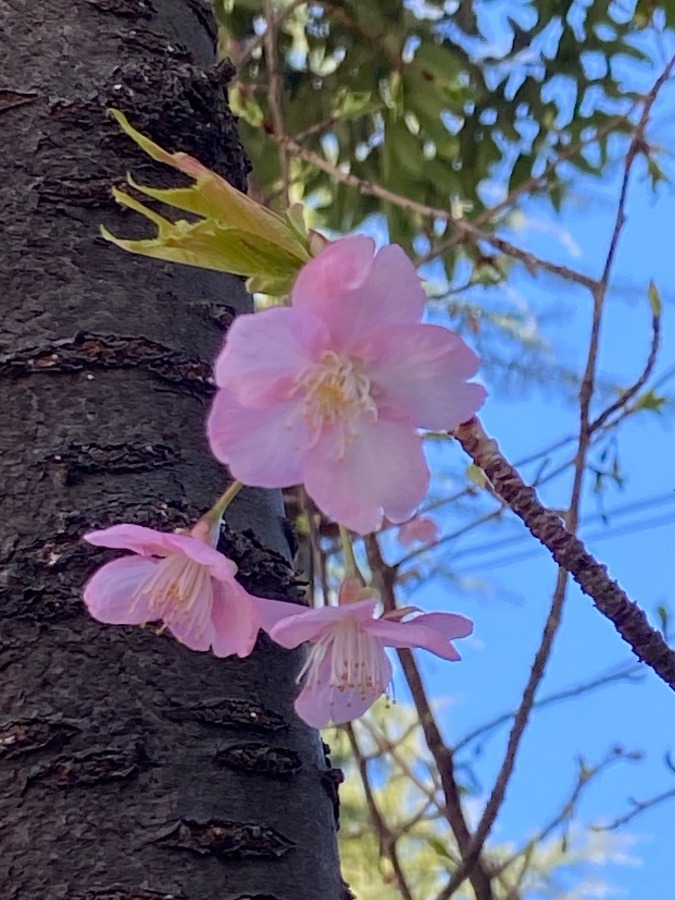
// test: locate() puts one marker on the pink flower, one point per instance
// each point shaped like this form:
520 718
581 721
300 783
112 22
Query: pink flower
179 579
421 529
347 668
331 391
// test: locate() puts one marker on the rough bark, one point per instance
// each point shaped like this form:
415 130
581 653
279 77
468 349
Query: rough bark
130 767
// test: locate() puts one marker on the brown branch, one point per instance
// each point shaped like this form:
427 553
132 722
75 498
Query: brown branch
257 40
622 402
471 856
528 186
639 806
628 673
386 839
584 777
569 552
383 576
464 228
274 92
529 260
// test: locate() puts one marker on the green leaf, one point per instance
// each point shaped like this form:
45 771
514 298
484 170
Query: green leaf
664 616
654 298
650 402
477 475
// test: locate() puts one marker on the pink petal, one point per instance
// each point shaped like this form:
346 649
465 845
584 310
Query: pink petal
264 354
271 612
108 593
142 540
392 294
218 564
235 621
341 267
419 528
450 625
431 632
311 624
262 447
190 621
321 704
421 370
381 469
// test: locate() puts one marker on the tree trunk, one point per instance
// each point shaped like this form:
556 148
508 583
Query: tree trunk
131 767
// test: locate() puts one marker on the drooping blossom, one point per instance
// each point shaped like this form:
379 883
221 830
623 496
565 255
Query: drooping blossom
331 391
419 529
347 668
178 579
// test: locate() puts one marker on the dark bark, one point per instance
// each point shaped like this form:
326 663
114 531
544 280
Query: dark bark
129 765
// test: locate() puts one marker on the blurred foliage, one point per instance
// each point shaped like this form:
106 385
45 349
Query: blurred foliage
405 788
441 102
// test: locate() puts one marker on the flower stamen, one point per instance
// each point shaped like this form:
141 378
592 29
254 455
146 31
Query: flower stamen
337 391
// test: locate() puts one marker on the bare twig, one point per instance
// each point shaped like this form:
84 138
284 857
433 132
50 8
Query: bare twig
639 806
628 673
461 226
386 746
521 718
386 839
258 39
528 186
275 93
622 402
569 552
585 776
384 579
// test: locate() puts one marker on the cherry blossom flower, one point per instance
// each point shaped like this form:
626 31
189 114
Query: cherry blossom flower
179 579
419 529
347 668
331 392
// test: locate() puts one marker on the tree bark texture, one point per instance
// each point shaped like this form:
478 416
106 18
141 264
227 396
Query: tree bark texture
130 767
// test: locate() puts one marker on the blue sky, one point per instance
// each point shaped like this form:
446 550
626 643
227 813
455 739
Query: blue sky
509 615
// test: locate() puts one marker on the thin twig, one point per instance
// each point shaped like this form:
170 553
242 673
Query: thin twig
384 578
585 776
569 552
258 39
462 226
386 840
275 93
386 746
626 396
639 806
628 673
526 187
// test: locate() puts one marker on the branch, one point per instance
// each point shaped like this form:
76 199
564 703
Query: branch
584 777
257 40
465 229
521 718
528 186
569 552
441 754
622 402
628 673
274 92
639 806
386 840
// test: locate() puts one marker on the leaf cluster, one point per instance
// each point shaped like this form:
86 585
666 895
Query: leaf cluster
436 102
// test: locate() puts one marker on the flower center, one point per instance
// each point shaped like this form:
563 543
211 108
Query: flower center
357 661
175 585
337 391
